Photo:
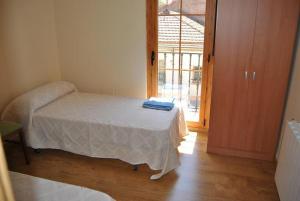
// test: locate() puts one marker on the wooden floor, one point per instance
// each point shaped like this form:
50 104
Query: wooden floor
201 176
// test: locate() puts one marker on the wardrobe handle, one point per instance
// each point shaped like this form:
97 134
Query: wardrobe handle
254 75
246 75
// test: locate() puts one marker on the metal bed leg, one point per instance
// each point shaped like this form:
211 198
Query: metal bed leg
135 167
37 151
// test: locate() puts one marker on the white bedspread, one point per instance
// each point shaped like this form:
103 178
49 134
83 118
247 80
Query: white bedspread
29 188
110 127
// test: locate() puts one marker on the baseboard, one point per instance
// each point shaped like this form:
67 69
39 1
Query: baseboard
241 154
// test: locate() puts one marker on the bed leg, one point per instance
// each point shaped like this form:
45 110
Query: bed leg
135 167
37 151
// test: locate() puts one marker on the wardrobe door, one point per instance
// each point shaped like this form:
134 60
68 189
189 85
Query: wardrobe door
276 25
233 47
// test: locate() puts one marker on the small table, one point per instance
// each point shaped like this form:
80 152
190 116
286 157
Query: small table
8 128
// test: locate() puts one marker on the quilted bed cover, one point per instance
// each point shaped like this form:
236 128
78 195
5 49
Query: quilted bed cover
29 188
57 116
110 127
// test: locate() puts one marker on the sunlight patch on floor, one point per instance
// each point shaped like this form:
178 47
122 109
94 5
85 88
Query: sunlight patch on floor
187 146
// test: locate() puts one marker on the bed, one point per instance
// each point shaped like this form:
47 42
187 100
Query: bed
57 116
29 188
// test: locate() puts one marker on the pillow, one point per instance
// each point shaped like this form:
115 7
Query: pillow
21 108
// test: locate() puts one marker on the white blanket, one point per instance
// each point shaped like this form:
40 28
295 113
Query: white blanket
29 188
104 127
109 127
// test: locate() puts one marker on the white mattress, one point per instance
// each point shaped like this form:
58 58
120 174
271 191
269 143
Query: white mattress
29 188
110 127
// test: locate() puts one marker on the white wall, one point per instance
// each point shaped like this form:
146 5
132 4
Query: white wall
292 110
28 46
102 45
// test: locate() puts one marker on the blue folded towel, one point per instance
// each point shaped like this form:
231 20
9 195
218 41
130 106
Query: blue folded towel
158 105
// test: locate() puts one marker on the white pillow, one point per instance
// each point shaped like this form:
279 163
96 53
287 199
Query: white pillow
22 107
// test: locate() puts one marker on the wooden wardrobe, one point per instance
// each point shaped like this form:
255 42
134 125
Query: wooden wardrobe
253 50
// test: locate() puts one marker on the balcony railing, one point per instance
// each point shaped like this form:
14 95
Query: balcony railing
181 78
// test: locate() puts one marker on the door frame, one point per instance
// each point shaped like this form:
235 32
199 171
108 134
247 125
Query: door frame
152 45
208 59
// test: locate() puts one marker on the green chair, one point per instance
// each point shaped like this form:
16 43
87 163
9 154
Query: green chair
9 128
